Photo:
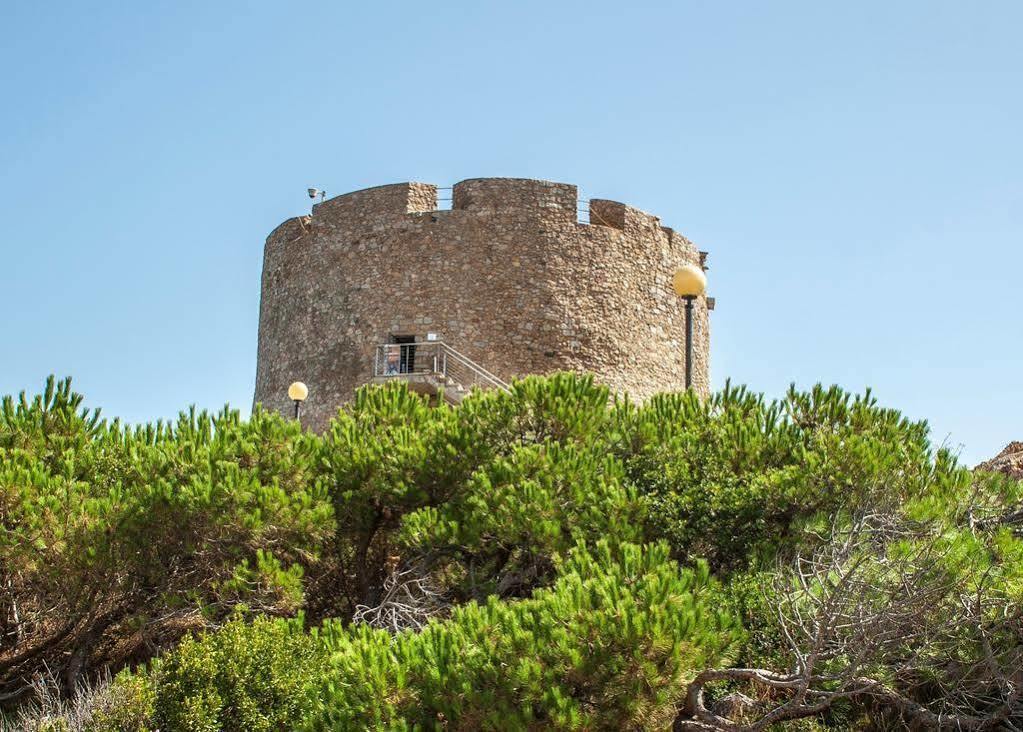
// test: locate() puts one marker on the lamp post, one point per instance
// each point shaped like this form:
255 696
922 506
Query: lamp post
689 283
297 393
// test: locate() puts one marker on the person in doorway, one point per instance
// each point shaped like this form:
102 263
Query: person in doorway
393 359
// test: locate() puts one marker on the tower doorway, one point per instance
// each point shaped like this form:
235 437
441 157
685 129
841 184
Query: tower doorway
406 353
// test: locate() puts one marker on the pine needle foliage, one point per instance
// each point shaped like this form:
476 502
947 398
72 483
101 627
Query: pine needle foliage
116 539
565 559
608 646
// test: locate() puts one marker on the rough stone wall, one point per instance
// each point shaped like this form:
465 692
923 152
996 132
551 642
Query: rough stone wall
508 276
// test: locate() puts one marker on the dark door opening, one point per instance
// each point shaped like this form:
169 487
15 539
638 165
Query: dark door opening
406 353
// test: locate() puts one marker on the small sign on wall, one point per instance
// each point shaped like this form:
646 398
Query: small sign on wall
431 336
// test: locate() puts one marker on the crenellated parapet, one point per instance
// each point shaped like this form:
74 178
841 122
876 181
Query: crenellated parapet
507 275
512 198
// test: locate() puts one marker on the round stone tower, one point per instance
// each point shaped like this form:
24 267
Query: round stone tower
508 279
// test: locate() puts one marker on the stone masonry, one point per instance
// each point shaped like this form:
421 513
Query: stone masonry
508 276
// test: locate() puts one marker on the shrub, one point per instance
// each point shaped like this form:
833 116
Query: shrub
114 540
732 478
503 533
127 706
608 646
543 526
411 479
99 706
245 677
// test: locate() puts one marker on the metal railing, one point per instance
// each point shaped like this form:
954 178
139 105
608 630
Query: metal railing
433 358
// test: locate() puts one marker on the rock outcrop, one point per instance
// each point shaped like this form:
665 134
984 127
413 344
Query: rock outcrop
1008 461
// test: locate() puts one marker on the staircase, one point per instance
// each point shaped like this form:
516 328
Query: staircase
434 368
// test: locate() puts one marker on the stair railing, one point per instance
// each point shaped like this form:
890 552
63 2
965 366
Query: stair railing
433 358
455 364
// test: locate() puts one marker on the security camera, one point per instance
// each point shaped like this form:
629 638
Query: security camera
313 192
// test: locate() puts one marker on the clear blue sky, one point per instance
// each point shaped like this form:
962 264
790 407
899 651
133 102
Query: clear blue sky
855 170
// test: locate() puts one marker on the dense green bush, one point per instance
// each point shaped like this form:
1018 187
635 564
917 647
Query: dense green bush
502 533
731 478
253 677
609 645
605 647
456 484
115 539
525 548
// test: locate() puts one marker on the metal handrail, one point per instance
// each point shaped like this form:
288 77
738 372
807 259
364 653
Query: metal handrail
472 364
431 358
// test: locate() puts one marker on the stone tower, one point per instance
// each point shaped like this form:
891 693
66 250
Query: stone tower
508 279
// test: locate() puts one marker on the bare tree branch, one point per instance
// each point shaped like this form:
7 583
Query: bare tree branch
881 599
409 599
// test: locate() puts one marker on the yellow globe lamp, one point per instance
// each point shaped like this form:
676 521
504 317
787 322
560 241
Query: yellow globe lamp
689 282
297 393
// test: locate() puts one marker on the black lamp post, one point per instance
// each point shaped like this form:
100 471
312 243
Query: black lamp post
297 393
689 283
